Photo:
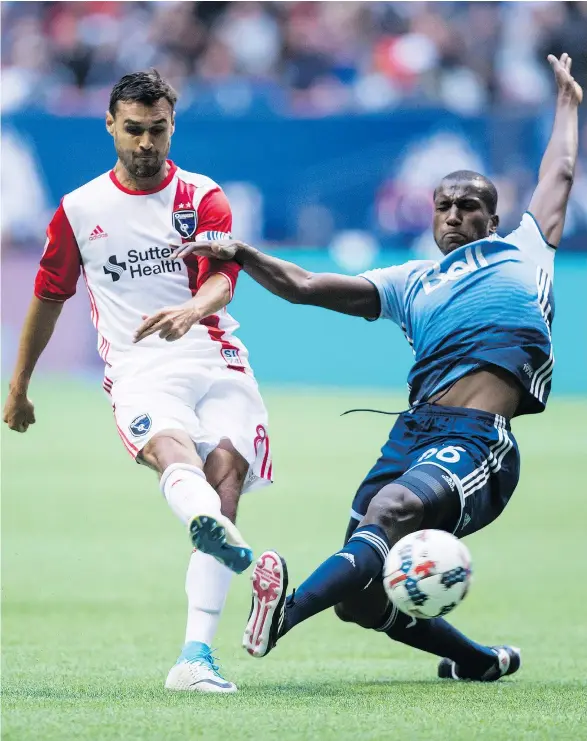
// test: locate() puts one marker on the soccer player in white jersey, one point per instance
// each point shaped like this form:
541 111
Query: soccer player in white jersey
184 397
479 323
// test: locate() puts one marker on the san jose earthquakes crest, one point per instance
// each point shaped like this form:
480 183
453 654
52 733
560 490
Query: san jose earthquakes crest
185 221
140 425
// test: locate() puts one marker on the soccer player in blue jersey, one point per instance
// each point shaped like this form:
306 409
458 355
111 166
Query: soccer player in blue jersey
479 322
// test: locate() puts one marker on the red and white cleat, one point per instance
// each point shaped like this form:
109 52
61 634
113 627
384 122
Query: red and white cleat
267 614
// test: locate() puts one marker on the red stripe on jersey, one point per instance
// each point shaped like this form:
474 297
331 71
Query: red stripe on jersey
262 439
59 270
163 184
93 307
212 324
132 449
213 215
266 459
104 345
184 200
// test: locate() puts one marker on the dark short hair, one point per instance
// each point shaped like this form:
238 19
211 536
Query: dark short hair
488 191
142 87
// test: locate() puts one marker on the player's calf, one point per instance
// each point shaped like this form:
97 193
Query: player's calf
365 608
226 470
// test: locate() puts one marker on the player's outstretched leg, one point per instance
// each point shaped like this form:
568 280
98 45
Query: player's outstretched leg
394 512
467 659
346 572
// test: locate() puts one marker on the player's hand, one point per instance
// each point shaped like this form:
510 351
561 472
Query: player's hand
224 249
171 322
567 86
19 411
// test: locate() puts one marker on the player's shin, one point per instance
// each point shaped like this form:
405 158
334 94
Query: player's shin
344 573
188 493
440 638
206 585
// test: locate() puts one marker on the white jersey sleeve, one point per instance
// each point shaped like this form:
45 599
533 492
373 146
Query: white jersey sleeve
528 238
391 284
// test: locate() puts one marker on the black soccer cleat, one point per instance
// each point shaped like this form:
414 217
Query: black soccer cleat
268 604
508 659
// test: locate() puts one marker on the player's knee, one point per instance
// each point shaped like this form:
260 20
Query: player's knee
168 447
359 611
342 612
396 509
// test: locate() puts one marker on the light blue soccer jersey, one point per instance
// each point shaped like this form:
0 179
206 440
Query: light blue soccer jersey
486 303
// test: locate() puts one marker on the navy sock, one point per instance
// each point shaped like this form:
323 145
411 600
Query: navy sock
346 572
438 637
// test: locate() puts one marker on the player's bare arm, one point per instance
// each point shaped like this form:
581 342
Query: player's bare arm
342 293
549 202
38 328
173 322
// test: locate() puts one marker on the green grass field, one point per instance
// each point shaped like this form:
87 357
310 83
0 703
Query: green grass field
93 601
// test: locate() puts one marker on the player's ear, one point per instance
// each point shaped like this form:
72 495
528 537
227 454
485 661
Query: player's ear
109 123
493 223
172 122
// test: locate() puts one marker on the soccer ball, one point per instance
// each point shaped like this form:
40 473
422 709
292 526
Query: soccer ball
427 573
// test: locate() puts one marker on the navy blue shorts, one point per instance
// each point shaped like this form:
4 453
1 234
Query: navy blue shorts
476 451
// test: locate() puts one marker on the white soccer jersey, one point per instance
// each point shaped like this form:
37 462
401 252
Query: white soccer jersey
121 241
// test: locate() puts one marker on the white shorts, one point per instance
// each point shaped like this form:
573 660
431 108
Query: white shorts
209 403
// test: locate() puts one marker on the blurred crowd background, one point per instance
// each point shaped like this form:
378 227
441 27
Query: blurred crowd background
328 122
305 58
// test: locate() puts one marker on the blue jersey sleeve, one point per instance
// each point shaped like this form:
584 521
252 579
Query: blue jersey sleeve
529 239
391 284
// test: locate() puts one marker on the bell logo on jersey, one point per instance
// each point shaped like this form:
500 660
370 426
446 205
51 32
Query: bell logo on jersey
114 269
434 278
185 221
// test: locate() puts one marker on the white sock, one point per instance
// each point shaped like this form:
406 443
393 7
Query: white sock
206 585
188 493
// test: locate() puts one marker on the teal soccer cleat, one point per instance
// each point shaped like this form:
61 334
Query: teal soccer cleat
218 537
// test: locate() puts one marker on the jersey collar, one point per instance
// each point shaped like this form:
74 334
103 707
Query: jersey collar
163 184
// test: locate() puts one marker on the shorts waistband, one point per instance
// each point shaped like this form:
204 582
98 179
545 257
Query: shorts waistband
437 410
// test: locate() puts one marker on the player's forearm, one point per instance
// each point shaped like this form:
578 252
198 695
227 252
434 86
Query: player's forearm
212 296
284 279
560 156
37 330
